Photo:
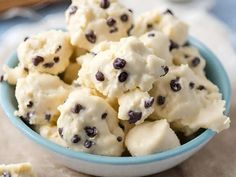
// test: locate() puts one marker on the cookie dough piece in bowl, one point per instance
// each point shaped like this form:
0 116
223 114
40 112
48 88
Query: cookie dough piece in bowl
93 21
151 137
135 106
38 96
189 100
88 123
123 66
71 73
46 52
17 170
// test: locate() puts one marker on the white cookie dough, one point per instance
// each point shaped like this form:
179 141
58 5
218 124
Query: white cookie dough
190 100
151 137
17 170
88 123
125 65
38 96
46 52
90 22
135 106
71 73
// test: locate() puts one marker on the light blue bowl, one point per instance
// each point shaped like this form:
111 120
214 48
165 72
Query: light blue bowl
122 166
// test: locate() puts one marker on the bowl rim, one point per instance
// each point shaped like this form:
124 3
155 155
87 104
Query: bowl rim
197 141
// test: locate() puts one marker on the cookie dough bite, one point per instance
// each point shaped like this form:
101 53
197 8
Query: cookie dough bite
159 44
151 137
164 21
38 96
88 123
190 100
125 65
17 170
46 52
71 73
135 106
11 75
190 56
93 21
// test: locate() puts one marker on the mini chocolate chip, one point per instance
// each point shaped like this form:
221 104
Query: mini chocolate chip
77 108
48 65
151 35
26 38
134 116
56 59
111 21
121 126
119 63
175 85
93 53
149 26
105 4
124 17
30 104
113 29
168 11
47 116
26 69
88 144
161 100
148 103
60 131
104 115
166 70
201 87
123 76
91 131
119 138
173 45
6 174
186 56
73 10
191 85
58 49
195 61
130 10
91 37
1 78
75 139
129 30
36 60
100 76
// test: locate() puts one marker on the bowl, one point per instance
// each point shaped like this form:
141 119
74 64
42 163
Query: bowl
122 166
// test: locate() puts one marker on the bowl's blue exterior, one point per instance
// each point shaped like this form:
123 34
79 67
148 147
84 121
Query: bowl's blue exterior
215 72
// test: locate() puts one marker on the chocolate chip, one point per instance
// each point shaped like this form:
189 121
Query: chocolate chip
104 4
201 87
58 49
151 35
148 103
1 78
36 60
48 65
75 139
168 11
130 10
124 17
60 131
104 115
175 85
173 45
91 131
26 38
191 85
186 56
6 174
195 61
119 63
113 29
134 116
123 76
161 100
100 76
129 30
111 21
121 126
26 69
77 108
47 116
73 10
166 70
91 37
30 104
119 138
93 53
56 59
149 26
88 144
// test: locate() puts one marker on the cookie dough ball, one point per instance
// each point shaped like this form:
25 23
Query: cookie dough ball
164 21
125 65
190 56
93 21
88 123
17 170
151 137
11 75
71 73
135 106
46 52
192 101
159 44
38 96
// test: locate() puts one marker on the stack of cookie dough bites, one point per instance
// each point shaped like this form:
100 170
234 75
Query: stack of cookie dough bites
113 82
